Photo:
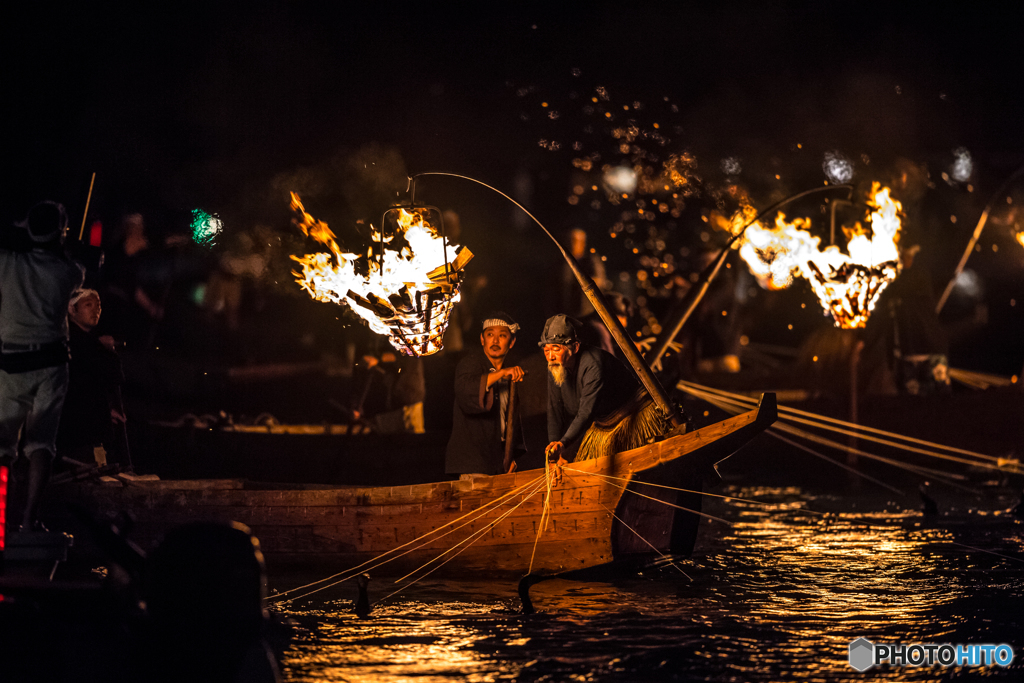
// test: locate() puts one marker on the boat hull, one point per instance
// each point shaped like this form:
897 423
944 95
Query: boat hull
486 526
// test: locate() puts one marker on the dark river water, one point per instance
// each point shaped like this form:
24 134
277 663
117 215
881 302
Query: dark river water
776 595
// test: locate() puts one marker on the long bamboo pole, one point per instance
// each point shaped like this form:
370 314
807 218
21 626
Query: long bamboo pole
636 361
682 311
974 239
85 214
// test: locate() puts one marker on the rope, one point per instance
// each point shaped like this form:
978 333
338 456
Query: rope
1013 467
544 512
920 471
471 539
685 386
824 457
479 512
638 534
982 550
664 502
676 488
472 536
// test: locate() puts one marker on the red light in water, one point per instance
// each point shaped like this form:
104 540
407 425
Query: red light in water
95 234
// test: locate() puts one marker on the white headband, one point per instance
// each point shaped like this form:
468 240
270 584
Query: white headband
498 322
80 294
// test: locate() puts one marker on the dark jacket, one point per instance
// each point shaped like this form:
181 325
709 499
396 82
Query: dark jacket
94 374
475 445
597 385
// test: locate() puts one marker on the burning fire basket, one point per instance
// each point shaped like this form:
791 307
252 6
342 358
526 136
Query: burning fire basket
406 286
417 316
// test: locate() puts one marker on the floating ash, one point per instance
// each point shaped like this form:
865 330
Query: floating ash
847 284
406 294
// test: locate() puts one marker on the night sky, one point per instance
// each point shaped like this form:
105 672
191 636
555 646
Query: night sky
227 106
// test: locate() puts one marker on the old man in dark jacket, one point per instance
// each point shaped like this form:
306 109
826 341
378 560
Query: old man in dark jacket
482 388
593 398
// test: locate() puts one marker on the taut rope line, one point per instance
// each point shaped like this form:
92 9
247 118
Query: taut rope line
686 386
702 493
1013 467
724 404
544 515
659 500
472 539
480 511
639 535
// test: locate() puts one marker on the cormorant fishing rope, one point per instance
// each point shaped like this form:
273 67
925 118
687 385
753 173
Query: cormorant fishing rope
659 500
544 515
719 400
640 536
472 539
724 404
852 470
363 567
937 475
702 493
746 400
982 550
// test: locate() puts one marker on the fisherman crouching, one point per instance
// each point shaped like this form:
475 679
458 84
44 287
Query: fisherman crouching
35 288
593 398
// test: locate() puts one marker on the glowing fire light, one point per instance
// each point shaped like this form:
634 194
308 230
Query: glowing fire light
406 294
847 284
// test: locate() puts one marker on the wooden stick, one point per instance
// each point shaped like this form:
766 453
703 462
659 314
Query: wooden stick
510 427
86 213
974 240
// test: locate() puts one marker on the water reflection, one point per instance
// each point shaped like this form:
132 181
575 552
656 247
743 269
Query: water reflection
778 595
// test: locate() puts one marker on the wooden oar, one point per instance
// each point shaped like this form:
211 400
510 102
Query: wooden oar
510 431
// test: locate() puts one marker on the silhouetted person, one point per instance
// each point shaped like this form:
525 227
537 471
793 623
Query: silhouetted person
204 590
35 287
92 405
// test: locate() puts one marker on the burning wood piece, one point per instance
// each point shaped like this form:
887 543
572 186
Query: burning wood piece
406 294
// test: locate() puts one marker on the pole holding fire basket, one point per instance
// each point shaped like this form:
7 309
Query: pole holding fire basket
636 361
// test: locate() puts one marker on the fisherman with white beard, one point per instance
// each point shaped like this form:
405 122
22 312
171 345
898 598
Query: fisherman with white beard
587 384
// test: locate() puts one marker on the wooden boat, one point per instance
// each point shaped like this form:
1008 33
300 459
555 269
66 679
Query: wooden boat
601 511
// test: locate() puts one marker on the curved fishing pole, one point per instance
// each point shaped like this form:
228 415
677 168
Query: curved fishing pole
669 332
974 239
636 361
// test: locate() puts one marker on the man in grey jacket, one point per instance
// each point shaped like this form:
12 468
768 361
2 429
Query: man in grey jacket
35 286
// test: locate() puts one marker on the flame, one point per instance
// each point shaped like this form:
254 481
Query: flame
406 294
847 285
1020 237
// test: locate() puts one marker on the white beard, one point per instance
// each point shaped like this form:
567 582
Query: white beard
557 373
